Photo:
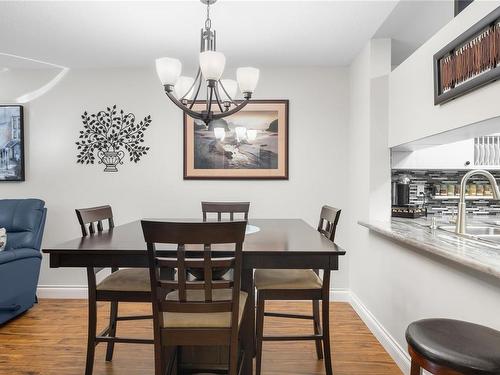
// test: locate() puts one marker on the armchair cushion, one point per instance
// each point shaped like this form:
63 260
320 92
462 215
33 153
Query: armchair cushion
17 254
23 221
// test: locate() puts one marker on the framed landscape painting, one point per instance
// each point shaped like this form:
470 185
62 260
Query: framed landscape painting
250 144
11 143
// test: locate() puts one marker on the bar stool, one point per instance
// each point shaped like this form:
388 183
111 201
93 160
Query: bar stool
276 284
453 347
122 285
220 208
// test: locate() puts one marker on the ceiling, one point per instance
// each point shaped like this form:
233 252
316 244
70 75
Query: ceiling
412 23
85 34
90 34
11 62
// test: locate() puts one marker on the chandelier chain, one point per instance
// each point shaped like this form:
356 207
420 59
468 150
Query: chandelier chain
208 21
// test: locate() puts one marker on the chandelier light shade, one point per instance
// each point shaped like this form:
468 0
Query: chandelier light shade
220 97
212 65
248 78
168 70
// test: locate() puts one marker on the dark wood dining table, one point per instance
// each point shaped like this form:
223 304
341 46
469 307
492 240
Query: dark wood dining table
279 244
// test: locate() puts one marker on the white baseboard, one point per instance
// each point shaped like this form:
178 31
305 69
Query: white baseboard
397 353
340 295
62 291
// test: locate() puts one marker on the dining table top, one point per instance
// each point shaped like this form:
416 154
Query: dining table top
283 236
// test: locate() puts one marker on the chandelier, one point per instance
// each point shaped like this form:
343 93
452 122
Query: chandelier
220 93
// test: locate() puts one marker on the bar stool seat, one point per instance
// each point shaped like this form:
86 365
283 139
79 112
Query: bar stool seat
203 320
127 279
463 347
286 279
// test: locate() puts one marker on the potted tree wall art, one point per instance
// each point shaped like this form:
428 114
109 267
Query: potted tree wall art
110 134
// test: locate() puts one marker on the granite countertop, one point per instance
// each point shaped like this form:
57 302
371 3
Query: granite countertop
477 254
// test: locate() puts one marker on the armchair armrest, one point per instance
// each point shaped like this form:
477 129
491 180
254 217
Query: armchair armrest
11 307
7 256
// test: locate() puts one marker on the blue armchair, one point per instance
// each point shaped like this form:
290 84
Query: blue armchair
24 220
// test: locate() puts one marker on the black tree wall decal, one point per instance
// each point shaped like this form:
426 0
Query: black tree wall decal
110 133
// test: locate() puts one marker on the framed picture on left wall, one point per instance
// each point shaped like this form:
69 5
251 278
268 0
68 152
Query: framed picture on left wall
11 143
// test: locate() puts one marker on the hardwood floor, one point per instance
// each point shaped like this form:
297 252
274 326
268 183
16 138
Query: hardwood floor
50 339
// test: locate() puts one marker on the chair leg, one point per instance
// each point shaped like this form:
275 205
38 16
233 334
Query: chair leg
164 360
113 314
325 306
171 360
415 368
259 332
92 326
317 328
159 359
233 358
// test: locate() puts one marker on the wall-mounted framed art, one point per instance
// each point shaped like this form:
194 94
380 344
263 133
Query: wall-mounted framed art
470 61
11 143
250 144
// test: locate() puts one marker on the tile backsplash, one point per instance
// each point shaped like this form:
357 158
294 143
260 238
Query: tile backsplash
426 181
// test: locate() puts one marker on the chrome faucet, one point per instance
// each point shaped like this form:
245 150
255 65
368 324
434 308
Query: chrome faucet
461 224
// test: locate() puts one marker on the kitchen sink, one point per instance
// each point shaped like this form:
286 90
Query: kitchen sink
475 230
480 232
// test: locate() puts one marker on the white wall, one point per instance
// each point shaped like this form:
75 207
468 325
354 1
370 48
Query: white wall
413 114
369 167
154 187
369 162
392 284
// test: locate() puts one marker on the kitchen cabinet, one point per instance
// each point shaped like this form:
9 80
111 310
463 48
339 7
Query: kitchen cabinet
456 155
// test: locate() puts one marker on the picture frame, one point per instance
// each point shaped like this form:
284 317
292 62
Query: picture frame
251 144
12 157
478 77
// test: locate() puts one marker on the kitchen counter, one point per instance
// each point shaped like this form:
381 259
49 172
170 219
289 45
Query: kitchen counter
479 255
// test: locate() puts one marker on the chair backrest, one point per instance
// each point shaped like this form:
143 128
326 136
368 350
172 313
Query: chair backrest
91 215
24 221
328 221
225 207
191 233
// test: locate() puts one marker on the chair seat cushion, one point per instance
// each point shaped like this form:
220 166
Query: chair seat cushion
461 346
127 279
203 320
287 279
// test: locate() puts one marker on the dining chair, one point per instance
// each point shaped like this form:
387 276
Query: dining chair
220 208
203 312
122 285
275 284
